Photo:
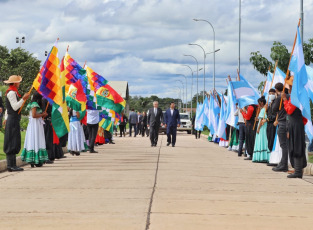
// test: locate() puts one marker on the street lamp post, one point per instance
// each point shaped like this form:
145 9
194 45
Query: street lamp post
190 89
186 89
197 72
183 89
20 40
213 47
179 95
204 56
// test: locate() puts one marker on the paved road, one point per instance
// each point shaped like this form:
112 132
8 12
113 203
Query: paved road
196 185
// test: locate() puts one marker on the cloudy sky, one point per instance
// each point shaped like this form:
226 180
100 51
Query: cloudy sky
143 41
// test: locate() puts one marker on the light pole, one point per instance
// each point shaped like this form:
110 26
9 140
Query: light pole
204 56
179 94
186 89
213 51
190 89
183 90
186 55
20 40
197 20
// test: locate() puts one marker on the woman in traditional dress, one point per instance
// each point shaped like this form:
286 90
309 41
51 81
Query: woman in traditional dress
12 134
34 151
76 137
261 152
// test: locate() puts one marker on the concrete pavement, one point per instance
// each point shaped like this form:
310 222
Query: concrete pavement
129 185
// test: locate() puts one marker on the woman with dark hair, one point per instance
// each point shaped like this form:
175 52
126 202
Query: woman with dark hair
261 152
34 151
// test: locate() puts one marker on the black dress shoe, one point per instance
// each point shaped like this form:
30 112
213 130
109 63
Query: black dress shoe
93 151
168 143
280 169
49 162
173 145
15 169
295 175
111 142
270 164
152 145
64 156
248 158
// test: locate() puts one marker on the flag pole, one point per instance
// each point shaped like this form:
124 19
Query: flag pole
84 64
238 75
47 107
25 100
287 73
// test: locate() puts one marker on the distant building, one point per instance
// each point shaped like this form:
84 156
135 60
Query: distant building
121 87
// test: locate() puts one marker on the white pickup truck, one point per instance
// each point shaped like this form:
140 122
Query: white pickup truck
185 123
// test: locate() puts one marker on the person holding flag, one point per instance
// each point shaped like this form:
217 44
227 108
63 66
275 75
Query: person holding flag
249 113
281 121
12 133
296 136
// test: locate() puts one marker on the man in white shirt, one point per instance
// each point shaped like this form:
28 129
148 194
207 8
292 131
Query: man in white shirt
12 135
92 126
242 131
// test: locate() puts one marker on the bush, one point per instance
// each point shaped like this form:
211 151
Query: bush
24 122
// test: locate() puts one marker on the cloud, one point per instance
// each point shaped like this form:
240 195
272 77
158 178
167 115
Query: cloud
143 41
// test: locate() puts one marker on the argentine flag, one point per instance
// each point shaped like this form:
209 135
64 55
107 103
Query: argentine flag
268 83
299 94
245 93
221 130
230 117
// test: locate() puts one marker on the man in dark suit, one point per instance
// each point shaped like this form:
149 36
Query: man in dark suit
155 118
172 121
133 121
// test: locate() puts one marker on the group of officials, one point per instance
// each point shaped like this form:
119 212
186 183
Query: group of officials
153 120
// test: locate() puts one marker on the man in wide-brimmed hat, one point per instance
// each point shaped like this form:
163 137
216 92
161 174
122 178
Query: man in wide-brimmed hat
12 134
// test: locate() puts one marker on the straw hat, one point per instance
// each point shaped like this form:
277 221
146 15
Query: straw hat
13 79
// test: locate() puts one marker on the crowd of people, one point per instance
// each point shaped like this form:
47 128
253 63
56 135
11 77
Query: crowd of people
43 146
271 132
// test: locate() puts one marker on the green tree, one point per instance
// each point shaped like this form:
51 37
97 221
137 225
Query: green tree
280 53
18 62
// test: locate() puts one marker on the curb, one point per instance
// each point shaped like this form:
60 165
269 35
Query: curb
308 170
19 162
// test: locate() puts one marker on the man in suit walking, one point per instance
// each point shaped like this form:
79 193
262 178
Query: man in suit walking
172 121
155 118
133 120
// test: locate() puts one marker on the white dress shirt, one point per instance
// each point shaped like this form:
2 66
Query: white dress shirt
92 117
172 111
11 95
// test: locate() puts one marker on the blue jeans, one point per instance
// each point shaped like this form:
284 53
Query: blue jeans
242 136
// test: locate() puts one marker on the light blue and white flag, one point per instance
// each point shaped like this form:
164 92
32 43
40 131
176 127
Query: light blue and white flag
299 95
245 93
221 130
206 111
309 130
268 84
213 115
199 118
279 77
309 85
230 117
